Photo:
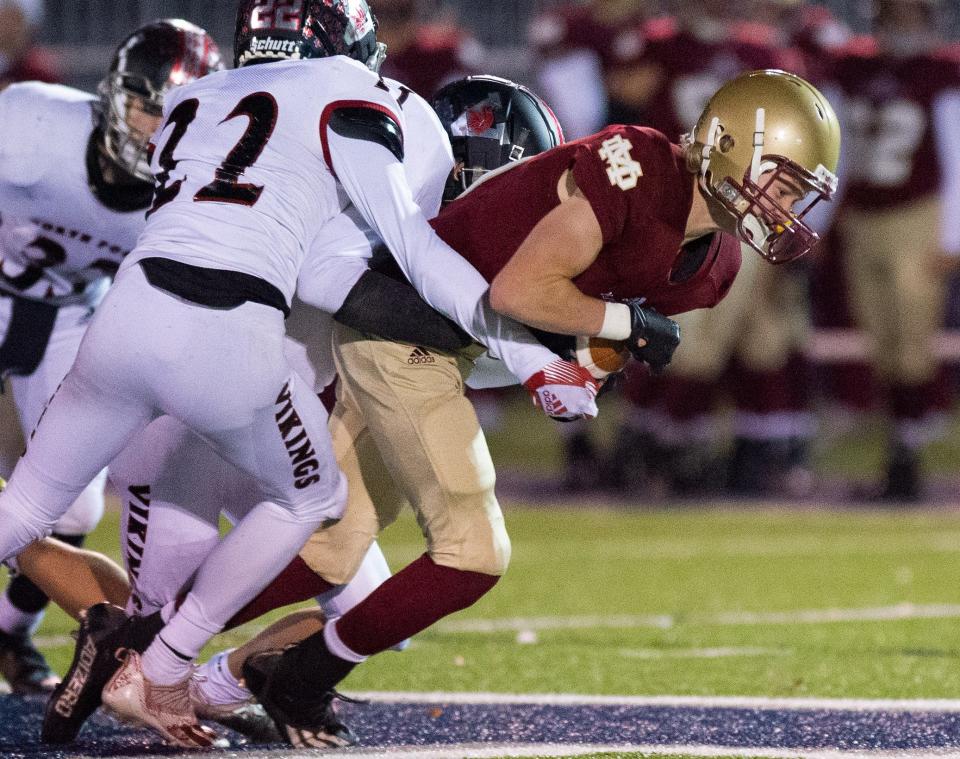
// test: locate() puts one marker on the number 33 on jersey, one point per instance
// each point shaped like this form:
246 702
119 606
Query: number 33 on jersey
243 170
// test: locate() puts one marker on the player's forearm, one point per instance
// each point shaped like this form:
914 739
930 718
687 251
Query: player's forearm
553 304
447 281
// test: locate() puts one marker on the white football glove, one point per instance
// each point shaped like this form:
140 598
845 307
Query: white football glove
565 391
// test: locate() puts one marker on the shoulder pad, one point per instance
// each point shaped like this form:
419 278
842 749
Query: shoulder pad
369 123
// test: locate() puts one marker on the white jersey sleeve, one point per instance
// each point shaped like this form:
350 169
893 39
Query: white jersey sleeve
338 255
442 277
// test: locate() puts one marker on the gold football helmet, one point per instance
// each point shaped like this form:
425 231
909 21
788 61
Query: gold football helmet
766 149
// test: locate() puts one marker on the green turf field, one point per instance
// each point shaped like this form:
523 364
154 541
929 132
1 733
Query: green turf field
647 603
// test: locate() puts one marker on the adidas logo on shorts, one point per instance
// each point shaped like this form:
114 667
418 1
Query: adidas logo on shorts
420 356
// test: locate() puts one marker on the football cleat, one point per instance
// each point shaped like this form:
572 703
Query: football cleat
167 709
245 717
105 633
304 724
24 667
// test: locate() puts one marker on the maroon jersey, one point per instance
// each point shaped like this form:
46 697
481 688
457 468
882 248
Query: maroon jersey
35 64
888 104
437 56
641 194
691 70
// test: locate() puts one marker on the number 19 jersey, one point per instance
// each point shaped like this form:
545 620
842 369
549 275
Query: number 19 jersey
243 183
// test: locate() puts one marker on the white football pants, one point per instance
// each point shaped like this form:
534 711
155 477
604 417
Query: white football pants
223 373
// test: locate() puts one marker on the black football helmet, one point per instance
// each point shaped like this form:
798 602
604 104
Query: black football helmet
272 30
155 58
491 122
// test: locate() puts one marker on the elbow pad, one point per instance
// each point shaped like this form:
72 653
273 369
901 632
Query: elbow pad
371 125
391 309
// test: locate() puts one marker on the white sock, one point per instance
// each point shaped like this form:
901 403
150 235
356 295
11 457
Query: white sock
14 621
163 665
217 683
337 647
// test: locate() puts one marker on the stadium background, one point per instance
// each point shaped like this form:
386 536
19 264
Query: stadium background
83 32
610 597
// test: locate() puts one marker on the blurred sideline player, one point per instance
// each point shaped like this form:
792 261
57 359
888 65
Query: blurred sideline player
625 215
74 185
671 433
222 310
901 108
589 49
424 56
20 59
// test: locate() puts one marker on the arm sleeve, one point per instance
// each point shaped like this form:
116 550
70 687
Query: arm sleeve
946 130
375 182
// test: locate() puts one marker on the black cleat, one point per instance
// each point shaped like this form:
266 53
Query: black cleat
105 633
24 667
304 724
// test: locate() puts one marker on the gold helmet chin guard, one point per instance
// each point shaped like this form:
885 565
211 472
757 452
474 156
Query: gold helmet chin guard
762 131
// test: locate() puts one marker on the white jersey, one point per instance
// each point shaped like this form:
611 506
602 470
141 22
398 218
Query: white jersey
338 256
57 240
243 182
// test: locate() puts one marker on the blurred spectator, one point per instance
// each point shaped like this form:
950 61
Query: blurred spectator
19 60
901 113
424 56
673 430
585 56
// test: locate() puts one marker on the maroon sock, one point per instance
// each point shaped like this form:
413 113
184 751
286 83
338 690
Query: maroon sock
297 582
410 601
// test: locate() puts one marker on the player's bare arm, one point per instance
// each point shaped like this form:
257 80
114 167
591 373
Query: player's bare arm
536 286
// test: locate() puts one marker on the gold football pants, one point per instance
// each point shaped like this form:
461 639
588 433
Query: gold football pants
897 292
403 432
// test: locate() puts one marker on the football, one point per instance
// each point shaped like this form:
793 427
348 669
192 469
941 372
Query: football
602 357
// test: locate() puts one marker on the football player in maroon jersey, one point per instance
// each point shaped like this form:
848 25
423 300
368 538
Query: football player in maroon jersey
601 231
671 432
901 109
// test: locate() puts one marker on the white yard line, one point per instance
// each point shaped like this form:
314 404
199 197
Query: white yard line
697 702
903 611
489 751
701 653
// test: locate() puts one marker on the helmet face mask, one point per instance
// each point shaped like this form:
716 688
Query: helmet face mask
491 123
765 151
151 61
131 114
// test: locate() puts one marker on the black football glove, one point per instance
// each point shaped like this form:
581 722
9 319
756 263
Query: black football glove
662 335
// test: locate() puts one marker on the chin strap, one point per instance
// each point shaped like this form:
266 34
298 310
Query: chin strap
713 135
758 140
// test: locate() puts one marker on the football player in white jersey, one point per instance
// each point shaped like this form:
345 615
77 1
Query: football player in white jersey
193 325
74 186
174 487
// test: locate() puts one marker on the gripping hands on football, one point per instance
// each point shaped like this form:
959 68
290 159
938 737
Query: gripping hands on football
565 391
660 336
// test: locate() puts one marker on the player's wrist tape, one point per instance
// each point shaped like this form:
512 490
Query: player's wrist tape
617 323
